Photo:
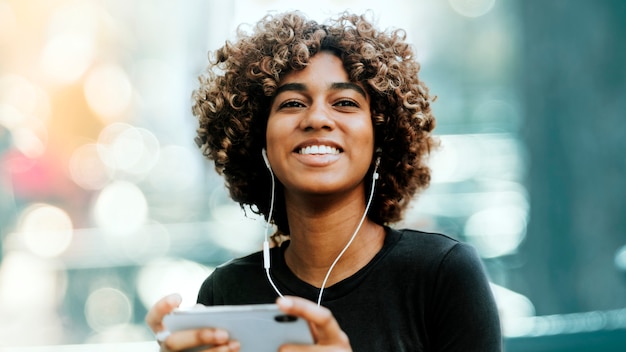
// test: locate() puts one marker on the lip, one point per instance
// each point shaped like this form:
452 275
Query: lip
316 160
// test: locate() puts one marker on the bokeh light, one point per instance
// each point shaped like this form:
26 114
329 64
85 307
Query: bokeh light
177 169
150 241
107 307
47 230
512 307
163 276
470 156
120 208
30 291
31 141
23 278
450 162
620 259
245 231
108 92
75 16
497 231
67 56
472 8
10 117
30 100
87 169
128 150
24 109
114 152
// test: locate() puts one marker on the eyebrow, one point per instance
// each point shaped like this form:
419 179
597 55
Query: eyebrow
300 87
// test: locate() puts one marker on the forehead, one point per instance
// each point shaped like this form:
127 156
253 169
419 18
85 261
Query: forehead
325 72
323 66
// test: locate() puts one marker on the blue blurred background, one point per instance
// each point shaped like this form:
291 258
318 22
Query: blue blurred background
106 204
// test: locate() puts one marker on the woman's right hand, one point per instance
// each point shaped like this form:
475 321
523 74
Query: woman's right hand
183 340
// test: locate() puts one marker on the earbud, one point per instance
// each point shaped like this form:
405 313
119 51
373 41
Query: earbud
376 175
267 161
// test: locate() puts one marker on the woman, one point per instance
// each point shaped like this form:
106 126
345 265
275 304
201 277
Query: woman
344 124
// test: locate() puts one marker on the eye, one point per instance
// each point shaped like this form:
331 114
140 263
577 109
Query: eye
346 103
291 104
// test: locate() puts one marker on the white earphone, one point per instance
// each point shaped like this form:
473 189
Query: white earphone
266 244
267 162
375 174
266 247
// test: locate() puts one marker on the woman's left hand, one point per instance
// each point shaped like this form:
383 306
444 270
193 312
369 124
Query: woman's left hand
326 332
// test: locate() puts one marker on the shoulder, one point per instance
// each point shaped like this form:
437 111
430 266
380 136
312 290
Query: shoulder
235 267
413 237
449 260
423 244
230 277
432 250
239 265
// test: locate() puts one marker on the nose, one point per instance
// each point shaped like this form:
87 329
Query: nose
317 117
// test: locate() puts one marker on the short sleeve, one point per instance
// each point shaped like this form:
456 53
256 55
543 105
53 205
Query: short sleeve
464 313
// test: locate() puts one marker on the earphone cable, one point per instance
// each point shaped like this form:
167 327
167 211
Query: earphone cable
369 202
266 246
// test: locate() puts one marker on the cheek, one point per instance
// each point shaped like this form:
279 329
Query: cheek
365 132
277 133
272 131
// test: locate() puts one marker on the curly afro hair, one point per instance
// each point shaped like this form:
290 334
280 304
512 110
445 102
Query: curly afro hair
236 90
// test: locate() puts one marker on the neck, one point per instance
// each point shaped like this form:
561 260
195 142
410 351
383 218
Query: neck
321 229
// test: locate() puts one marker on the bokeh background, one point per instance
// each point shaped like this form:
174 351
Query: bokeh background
106 204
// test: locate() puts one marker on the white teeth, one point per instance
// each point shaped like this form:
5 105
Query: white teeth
319 149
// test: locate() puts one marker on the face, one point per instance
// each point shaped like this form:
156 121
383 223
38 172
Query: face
320 137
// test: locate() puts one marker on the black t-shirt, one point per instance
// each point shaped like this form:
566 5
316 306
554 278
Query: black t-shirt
421 292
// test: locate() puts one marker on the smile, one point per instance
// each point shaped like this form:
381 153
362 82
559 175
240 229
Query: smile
319 150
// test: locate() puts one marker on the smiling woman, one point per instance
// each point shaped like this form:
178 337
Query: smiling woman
324 129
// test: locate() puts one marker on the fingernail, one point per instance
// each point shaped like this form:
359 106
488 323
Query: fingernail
234 346
285 302
162 335
221 335
174 299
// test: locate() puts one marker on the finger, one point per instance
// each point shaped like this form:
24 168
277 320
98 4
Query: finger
217 338
325 329
165 305
231 346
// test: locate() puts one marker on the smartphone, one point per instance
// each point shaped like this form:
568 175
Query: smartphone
258 327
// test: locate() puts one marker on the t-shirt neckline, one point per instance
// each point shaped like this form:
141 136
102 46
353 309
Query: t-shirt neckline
290 284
